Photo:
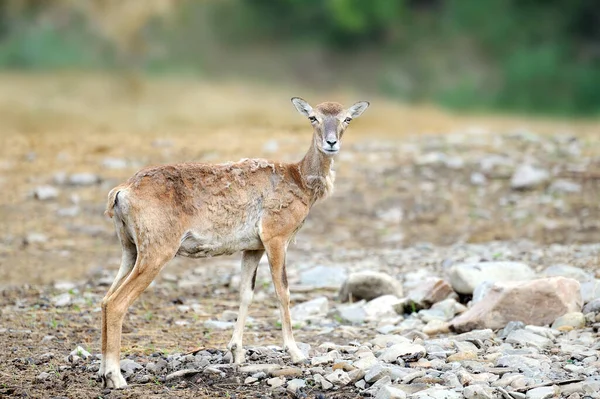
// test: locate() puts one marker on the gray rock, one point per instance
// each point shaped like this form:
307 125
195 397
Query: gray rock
276 382
295 385
376 373
408 352
369 285
322 381
373 389
510 327
592 306
527 177
181 373
45 358
528 338
142 379
325 359
546 300
381 306
564 186
477 392
389 392
81 352
48 338
568 271
465 277
339 378
74 359
366 362
590 290
129 367
518 362
83 179
257 368
436 393
353 313
311 309
35 238
62 300
45 193
228 316
443 311
260 375
323 276
475 335
478 179
573 320
383 341
43 376
218 325
543 393
157 367
427 293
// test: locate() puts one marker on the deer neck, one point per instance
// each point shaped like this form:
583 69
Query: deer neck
317 173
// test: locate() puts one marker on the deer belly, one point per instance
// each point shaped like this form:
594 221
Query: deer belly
204 245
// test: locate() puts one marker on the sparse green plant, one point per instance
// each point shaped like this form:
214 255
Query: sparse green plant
413 307
53 323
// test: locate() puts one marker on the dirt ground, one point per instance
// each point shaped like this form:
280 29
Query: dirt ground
52 125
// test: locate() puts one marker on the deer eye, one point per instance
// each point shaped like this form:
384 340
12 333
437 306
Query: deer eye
347 120
312 119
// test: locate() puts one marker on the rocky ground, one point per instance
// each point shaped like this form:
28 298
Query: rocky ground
480 247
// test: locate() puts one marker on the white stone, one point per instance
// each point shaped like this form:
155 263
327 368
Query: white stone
45 193
465 277
323 276
527 176
313 308
389 392
62 300
218 325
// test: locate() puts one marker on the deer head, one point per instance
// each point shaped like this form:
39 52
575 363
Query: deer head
329 121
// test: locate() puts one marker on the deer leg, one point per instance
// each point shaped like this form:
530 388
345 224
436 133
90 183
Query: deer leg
250 260
114 308
276 250
128 258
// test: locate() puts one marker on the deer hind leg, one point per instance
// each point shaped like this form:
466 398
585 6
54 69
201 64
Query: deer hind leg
128 259
114 307
276 250
250 260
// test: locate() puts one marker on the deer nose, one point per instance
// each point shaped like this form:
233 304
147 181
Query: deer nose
331 142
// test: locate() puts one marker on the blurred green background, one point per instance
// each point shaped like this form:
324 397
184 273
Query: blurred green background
529 56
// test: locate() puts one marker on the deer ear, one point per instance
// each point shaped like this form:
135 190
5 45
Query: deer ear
357 109
302 106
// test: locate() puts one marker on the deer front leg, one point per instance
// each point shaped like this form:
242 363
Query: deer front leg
250 260
276 250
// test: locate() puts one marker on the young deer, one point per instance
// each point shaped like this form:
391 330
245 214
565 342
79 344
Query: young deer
201 210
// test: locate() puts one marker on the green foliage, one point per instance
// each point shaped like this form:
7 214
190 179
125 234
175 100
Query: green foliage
32 44
523 55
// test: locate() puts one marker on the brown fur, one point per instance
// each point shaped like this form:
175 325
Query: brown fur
330 108
198 210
